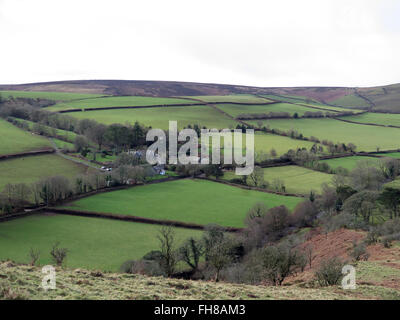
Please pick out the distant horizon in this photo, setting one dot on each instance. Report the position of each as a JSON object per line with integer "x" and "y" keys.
{"x": 193, "y": 82}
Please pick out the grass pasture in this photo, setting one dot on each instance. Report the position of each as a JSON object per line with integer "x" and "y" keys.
{"x": 124, "y": 101}
{"x": 60, "y": 144}
{"x": 240, "y": 98}
{"x": 296, "y": 179}
{"x": 349, "y": 163}
{"x": 395, "y": 155}
{"x": 33, "y": 168}
{"x": 351, "y": 101}
{"x": 15, "y": 140}
{"x": 290, "y": 98}
{"x": 64, "y": 134}
{"x": 236, "y": 110}
{"x": 366, "y": 138}
{"x": 158, "y": 117}
{"x": 93, "y": 243}
{"x": 264, "y": 142}
{"x": 56, "y": 96}
{"x": 195, "y": 201}
{"x": 384, "y": 119}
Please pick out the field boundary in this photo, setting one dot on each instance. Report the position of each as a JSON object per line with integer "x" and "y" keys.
{"x": 21, "y": 214}
{"x": 26, "y": 154}
{"x": 33, "y": 209}
{"x": 178, "y": 224}
{"x": 368, "y": 124}
{"x": 310, "y": 106}
{"x": 200, "y": 103}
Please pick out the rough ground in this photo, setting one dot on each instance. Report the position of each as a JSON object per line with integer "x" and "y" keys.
{"x": 23, "y": 282}
{"x": 377, "y": 275}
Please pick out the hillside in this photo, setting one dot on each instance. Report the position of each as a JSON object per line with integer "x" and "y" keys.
{"x": 380, "y": 98}
{"x": 23, "y": 282}
{"x": 377, "y": 278}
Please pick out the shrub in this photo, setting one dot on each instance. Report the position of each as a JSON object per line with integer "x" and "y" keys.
{"x": 280, "y": 262}
{"x": 359, "y": 252}
{"x": 34, "y": 255}
{"x": 145, "y": 267}
{"x": 330, "y": 272}
{"x": 58, "y": 254}
{"x": 372, "y": 236}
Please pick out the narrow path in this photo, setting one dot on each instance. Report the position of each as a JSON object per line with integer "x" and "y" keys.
{"x": 372, "y": 105}
{"x": 85, "y": 163}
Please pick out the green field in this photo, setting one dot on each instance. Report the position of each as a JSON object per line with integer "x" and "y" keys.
{"x": 349, "y": 162}
{"x": 93, "y": 243}
{"x": 351, "y": 101}
{"x": 296, "y": 179}
{"x": 390, "y": 155}
{"x": 241, "y": 98}
{"x": 64, "y": 134}
{"x": 124, "y": 101}
{"x": 235, "y": 110}
{"x": 159, "y": 117}
{"x": 33, "y": 168}
{"x": 377, "y": 118}
{"x": 290, "y": 98}
{"x": 15, "y": 140}
{"x": 195, "y": 201}
{"x": 264, "y": 142}
{"x": 60, "y": 144}
{"x": 56, "y": 96}
{"x": 366, "y": 138}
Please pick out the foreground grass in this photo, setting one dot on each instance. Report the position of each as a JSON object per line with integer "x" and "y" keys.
{"x": 15, "y": 140}
{"x": 33, "y": 168}
{"x": 93, "y": 243}
{"x": 158, "y": 117}
{"x": 125, "y": 101}
{"x": 195, "y": 201}
{"x": 366, "y": 138}
{"x": 24, "y": 282}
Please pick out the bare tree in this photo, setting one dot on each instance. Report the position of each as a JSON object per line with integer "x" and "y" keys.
{"x": 58, "y": 254}
{"x": 309, "y": 253}
{"x": 191, "y": 252}
{"x": 220, "y": 256}
{"x": 34, "y": 255}
{"x": 168, "y": 261}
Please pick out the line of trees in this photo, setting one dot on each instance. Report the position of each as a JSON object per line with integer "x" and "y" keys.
{"x": 116, "y": 136}
{"x": 55, "y": 189}
{"x": 287, "y": 115}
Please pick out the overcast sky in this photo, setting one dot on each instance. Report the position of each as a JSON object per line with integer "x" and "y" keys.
{"x": 260, "y": 43}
